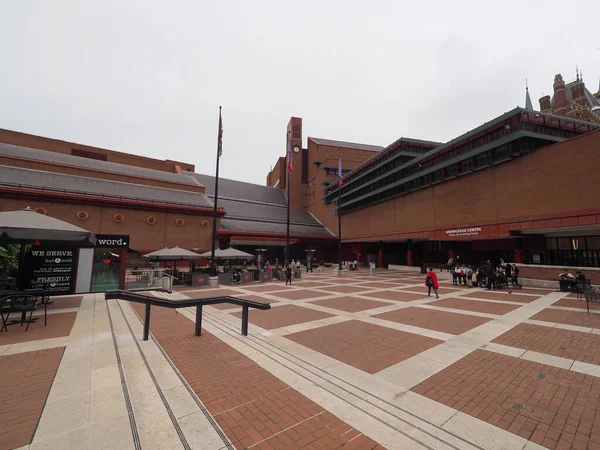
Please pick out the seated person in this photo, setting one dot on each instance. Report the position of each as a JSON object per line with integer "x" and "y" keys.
{"x": 565, "y": 275}
{"x": 579, "y": 276}
{"x": 502, "y": 278}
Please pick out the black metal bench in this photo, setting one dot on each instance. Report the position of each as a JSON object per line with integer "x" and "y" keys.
{"x": 593, "y": 295}
{"x": 186, "y": 303}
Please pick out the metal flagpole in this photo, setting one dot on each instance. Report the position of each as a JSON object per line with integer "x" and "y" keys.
{"x": 340, "y": 212}
{"x": 289, "y": 186}
{"x": 340, "y": 226}
{"x": 213, "y": 266}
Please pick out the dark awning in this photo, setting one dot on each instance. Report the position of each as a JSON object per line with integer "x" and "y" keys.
{"x": 28, "y": 225}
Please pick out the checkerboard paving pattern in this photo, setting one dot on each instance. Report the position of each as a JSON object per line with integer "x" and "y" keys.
{"x": 382, "y": 285}
{"x": 350, "y": 304}
{"x": 367, "y": 347}
{"x": 265, "y": 288}
{"x": 299, "y": 294}
{"x": 568, "y": 344}
{"x": 283, "y": 316}
{"x": 373, "y": 338}
{"x": 577, "y": 318}
{"x": 502, "y": 296}
{"x": 574, "y": 303}
{"x": 553, "y": 407}
{"x": 345, "y": 289}
{"x": 394, "y": 295}
{"x": 475, "y": 305}
{"x": 446, "y": 322}
{"x": 209, "y": 292}
{"x": 252, "y": 406}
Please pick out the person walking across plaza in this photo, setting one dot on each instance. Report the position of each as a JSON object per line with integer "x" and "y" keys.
{"x": 431, "y": 281}
{"x": 288, "y": 274}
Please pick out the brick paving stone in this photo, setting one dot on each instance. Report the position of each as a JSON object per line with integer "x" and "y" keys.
{"x": 447, "y": 322}
{"x": 264, "y": 287}
{"x": 283, "y": 316}
{"x": 581, "y": 319}
{"x": 533, "y": 291}
{"x": 364, "y": 345}
{"x": 568, "y": 344}
{"x": 209, "y": 292}
{"x": 548, "y": 405}
{"x": 254, "y": 298}
{"x": 309, "y": 284}
{"x": 250, "y": 404}
{"x": 395, "y": 295}
{"x": 65, "y": 302}
{"x": 350, "y": 304}
{"x": 350, "y": 289}
{"x": 343, "y": 280}
{"x": 26, "y": 379}
{"x": 59, "y": 325}
{"x": 422, "y": 291}
{"x": 502, "y": 296}
{"x": 574, "y": 303}
{"x": 383, "y": 285}
{"x": 299, "y": 294}
{"x": 475, "y": 305}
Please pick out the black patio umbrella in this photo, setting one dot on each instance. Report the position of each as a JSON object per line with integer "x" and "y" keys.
{"x": 28, "y": 225}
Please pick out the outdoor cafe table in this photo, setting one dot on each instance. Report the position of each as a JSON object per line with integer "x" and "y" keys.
{"x": 30, "y": 293}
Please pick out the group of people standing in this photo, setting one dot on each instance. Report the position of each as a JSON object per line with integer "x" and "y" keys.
{"x": 495, "y": 277}
{"x": 487, "y": 276}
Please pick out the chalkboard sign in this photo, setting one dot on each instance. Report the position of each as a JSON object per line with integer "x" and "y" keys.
{"x": 52, "y": 269}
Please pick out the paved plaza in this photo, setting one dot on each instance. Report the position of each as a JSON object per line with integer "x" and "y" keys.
{"x": 351, "y": 361}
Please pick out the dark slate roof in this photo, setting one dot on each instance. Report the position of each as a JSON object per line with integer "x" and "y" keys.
{"x": 528, "y": 104}
{"x": 271, "y": 227}
{"x": 246, "y": 210}
{"x": 232, "y": 189}
{"x": 352, "y": 145}
{"x": 86, "y": 163}
{"x": 255, "y": 208}
{"x": 75, "y": 184}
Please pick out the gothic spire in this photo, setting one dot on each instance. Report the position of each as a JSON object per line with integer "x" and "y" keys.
{"x": 528, "y": 104}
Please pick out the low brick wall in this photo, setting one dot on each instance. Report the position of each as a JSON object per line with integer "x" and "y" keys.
{"x": 549, "y": 273}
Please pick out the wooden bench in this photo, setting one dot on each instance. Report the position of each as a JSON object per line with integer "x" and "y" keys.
{"x": 186, "y": 303}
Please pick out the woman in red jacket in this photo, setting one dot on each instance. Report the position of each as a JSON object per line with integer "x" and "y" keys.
{"x": 431, "y": 281}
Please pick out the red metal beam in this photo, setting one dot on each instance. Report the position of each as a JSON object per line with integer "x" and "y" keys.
{"x": 237, "y": 233}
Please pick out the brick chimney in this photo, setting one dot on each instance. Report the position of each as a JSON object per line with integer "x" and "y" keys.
{"x": 545, "y": 104}
{"x": 560, "y": 96}
{"x": 578, "y": 93}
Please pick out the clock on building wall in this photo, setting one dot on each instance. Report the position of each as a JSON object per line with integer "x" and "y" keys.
{"x": 296, "y": 149}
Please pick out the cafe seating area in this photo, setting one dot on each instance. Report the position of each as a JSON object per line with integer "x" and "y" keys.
{"x": 22, "y": 303}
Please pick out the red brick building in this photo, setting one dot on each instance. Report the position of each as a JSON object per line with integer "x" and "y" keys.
{"x": 157, "y": 203}
{"x": 572, "y": 100}
{"x": 521, "y": 187}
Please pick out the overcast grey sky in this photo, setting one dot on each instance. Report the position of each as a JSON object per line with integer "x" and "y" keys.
{"x": 147, "y": 76}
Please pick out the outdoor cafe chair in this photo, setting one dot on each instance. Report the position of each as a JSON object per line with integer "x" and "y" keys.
{"x": 21, "y": 303}
{"x": 581, "y": 287}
